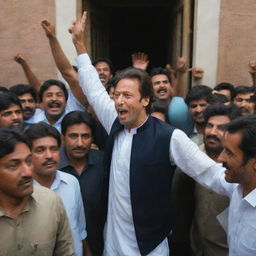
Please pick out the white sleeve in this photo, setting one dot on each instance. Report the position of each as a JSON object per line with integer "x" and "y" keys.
{"x": 195, "y": 163}
{"x": 95, "y": 92}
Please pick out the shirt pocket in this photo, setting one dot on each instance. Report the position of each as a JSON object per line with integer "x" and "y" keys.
{"x": 43, "y": 248}
{"x": 248, "y": 240}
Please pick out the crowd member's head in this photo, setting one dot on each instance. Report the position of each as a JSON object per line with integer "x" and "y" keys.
{"x": 244, "y": 99}
{"x": 53, "y": 96}
{"x": 77, "y": 132}
{"x": 27, "y": 95}
{"x": 10, "y": 111}
{"x": 226, "y": 89}
{"x": 110, "y": 88}
{"x": 46, "y": 141}
{"x": 104, "y": 68}
{"x": 15, "y": 166}
{"x": 162, "y": 84}
{"x": 159, "y": 109}
{"x": 216, "y": 116}
{"x": 133, "y": 95}
{"x": 198, "y": 98}
{"x": 239, "y": 154}
{"x": 218, "y": 99}
{"x": 3, "y": 89}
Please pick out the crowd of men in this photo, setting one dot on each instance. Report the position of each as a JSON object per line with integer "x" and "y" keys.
{"x": 125, "y": 163}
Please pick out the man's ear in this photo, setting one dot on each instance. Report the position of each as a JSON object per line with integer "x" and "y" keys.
{"x": 145, "y": 102}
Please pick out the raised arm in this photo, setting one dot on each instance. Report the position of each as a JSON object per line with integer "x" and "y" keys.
{"x": 89, "y": 79}
{"x": 252, "y": 71}
{"x": 31, "y": 77}
{"x": 140, "y": 60}
{"x": 62, "y": 63}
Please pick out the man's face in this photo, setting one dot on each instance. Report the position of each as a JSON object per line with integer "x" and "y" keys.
{"x": 128, "y": 103}
{"x": 196, "y": 109}
{"x": 232, "y": 159}
{"x": 213, "y": 134}
{"x": 16, "y": 173}
{"x": 104, "y": 72}
{"x": 54, "y": 102}
{"x": 244, "y": 103}
{"x": 45, "y": 156}
{"x": 77, "y": 140}
{"x": 11, "y": 117}
{"x": 162, "y": 87}
{"x": 28, "y": 105}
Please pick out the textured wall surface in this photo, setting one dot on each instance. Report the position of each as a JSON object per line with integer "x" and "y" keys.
{"x": 21, "y": 32}
{"x": 237, "y": 40}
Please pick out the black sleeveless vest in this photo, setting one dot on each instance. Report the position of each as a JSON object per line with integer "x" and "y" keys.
{"x": 150, "y": 181}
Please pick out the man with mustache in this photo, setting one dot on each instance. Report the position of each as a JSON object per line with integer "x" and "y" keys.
{"x": 86, "y": 164}
{"x": 10, "y": 111}
{"x": 178, "y": 114}
{"x": 198, "y": 98}
{"x": 46, "y": 141}
{"x": 244, "y": 99}
{"x": 104, "y": 68}
{"x": 27, "y": 95}
{"x": 207, "y": 236}
{"x": 33, "y": 221}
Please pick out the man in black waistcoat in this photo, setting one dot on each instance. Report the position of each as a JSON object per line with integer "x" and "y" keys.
{"x": 140, "y": 156}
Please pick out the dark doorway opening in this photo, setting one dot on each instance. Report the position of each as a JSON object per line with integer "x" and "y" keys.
{"x": 143, "y": 29}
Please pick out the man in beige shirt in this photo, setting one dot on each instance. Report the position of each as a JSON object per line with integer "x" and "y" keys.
{"x": 31, "y": 222}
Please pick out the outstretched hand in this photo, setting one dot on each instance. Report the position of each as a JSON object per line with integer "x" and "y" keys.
{"x": 77, "y": 29}
{"x": 19, "y": 58}
{"x": 181, "y": 65}
{"x": 252, "y": 67}
{"x": 140, "y": 60}
{"x": 197, "y": 73}
{"x": 48, "y": 28}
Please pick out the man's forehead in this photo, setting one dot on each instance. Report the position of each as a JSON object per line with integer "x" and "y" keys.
{"x": 54, "y": 88}
{"x": 219, "y": 119}
{"x": 102, "y": 64}
{"x": 244, "y": 95}
{"x": 12, "y": 107}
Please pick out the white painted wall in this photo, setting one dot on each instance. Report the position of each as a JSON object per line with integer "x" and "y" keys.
{"x": 206, "y": 38}
{"x": 65, "y": 14}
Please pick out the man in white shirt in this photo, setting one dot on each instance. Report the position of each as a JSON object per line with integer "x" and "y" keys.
{"x": 140, "y": 157}
{"x": 46, "y": 142}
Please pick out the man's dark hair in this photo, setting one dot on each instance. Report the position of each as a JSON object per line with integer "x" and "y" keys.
{"x": 246, "y": 125}
{"x": 160, "y": 71}
{"x": 217, "y": 98}
{"x": 9, "y": 139}
{"x": 3, "y": 89}
{"x": 41, "y": 130}
{"x": 77, "y": 117}
{"x": 51, "y": 82}
{"x": 243, "y": 89}
{"x": 7, "y": 99}
{"x": 20, "y": 89}
{"x": 106, "y": 60}
{"x": 159, "y": 105}
{"x": 145, "y": 88}
{"x": 231, "y": 111}
{"x": 199, "y": 92}
{"x": 226, "y": 86}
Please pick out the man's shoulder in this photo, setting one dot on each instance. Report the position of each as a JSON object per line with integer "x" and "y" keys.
{"x": 44, "y": 195}
{"x": 68, "y": 178}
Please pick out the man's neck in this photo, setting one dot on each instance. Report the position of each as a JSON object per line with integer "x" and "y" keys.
{"x": 11, "y": 206}
{"x": 45, "y": 181}
{"x": 199, "y": 128}
{"x": 78, "y": 164}
{"x": 248, "y": 187}
{"x": 52, "y": 119}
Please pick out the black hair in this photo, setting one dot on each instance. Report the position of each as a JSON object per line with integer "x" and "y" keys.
{"x": 199, "y": 92}
{"x": 41, "y": 130}
{"x": 145, "y": 88}
{"x": 3, "y": 89}
{"x": 217, "y": 99}
{"x": 51, "y": 82}
{"x": 226, "y": 86}
{"x": 160, "y": 71}
{"x": 246, "y": 125}
{"x": 9, "y": 138}
{"x": 20, "y": 89}
{"x": 7, "y": 99}
{"x": 243, "y": 89}
{"x": 106, "y": 60}
{"x": 77, "y": 117}
{"x": 231, "y": 111}
{"x": 159, "y": 105}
